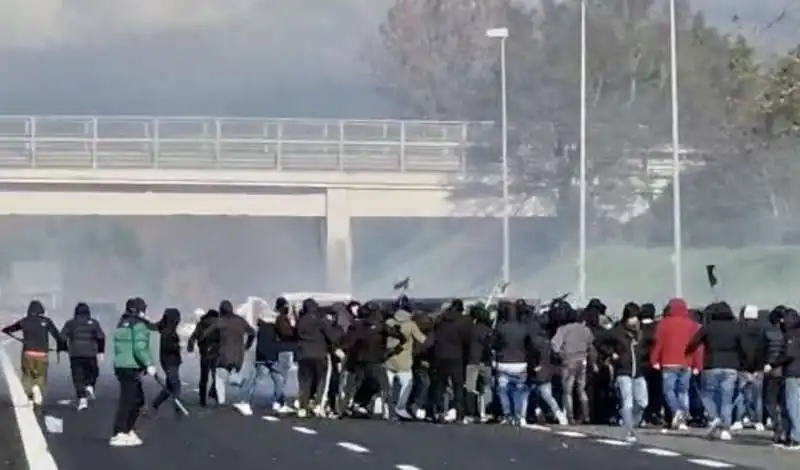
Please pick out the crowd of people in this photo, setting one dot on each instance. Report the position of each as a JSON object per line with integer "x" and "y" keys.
{"x": 508, "y": 362}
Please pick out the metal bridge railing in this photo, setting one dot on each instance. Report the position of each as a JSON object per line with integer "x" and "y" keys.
{"x": 134, "y": 142}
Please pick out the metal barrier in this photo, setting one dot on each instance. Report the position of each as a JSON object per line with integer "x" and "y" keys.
{"x": 121, "y": 142}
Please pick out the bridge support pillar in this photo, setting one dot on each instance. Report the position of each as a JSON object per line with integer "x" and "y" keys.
{"x": 339, "y": 241}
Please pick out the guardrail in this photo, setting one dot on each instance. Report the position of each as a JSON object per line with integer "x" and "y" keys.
{"x": 134, "y": 142}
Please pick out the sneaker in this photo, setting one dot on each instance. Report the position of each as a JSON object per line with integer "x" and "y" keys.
{"x": 677, "y": 420}
{"x": 450, "y": 416}
{"x": 562, "y": 418}
{"x": 725, "y": 435}
{"x": 759, "y": 427}
{"x": 90, "y": 392}
{"x": 792, "y": 445}
{"x": 737, "y": 426}
{"x": 276, "y": 407}
{"x": 83, "y": 403}
{"x": 125, "y": 440}
{"x": 133, "y": 437}
{"x": 403, "y": 414}
{"x": 420, "y": 414}
{"x": 244, "y": 408}
{"x": 302, "y": 413}
{"x": 36, "y": 395}
{"x": 713, "y": 426}
{"x": 631, "y": 438}
{"x": 284, "y": 409}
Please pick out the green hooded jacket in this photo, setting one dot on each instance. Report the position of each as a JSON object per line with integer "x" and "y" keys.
{"x": 132, "y": 343}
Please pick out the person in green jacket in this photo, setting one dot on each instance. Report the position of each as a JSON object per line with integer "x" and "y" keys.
{"x": 132, "y": 358}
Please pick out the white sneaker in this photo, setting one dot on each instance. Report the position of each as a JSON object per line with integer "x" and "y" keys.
{"x": 450, "y": 416}
{"x": 302, "y": 413}
{"x": 90, "y": 392}
{"x": 36, "y": 393}
{"x": 713, "y": 426}
{"x": 318, "y": 411}
{"x": 125, "y": 440}
{"x": 631, "y": 438}
{"x": 737, "y": 426}
{"x": 244, "y": 408}
{"x": 759, "y": 427}
{"x": 420, "y": 414}
{"x": 725, "y": 435}
{"x": 83, "y": 403}
{"x": 276, "y": 407}
{"x": 562, "y": 418}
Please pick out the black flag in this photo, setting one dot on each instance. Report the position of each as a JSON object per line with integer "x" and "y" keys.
{"x": 712, "y": 278}
{"x": 402, "y": 284}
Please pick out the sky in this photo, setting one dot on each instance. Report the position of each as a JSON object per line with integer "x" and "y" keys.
{"x": 222, "y": 57}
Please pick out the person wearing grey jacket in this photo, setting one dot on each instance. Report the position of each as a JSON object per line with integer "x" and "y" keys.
{"x": 573, "y": 344}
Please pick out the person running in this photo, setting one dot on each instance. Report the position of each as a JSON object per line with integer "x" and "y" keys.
{"x": 131, "y": 357}
{"x": 85, "y": 342}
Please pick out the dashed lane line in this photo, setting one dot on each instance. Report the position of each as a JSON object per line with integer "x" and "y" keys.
{"x": 406, "y": 467}
{"x": 304, "y": 430}
{"x": 710, "y": 463}
{"x": 660, "y": 452}
{"x": 353, "y": 447}
{"x": 613, "y": 442}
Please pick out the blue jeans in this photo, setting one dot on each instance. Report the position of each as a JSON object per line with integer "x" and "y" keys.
{"x": 750, "y": 400}
{"x": 633, "y": 400}
{"x": 719, "y": 386}
{"x": 676, "y": 381}
{"x": 513, "y": 391}
{"x": 792, "y": 396}
{"x": 544, "y": 391}
{"x": 277, "y": 371}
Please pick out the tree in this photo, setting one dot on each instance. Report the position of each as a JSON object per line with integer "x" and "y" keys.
{"x": 437, "y": 63}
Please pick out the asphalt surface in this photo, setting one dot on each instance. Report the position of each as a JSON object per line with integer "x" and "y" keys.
{"x": 208, "y": 439}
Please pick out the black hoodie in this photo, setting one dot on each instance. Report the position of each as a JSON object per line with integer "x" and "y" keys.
{"x": 170, "y": 344}
{"x": 83, "y": 335}
{"x": 366, "y": 339}
{"x": 790, "y": 359}
{"x": 480, "y": 348}
{"x": 35, "y": 329}
{"x": 512, "y": 341}
{"x": 722, "y": 338}
{"x": 450, "y": 337}
{"x": 208, "y": 344}
{"x": 235, "y": 337}
{"x": 314, "y": 333}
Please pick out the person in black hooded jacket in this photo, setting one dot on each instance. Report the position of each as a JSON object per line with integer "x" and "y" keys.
{"x": 479, "y": 362}
{"x": 208, "y": 346}
{"x": 451, "y": 340}
{"x": 724, "y": 352}
{"x": 654, "y": 414}
{"x": 85, "y": 342}
{"x": 36, "y": 329}
{"x": 169, "y": 353}
{"x": 773, "y": 347}
{"x": 789, "y": 361}
{"x": 316, "y": 338}
{"x": 235, "y": 337}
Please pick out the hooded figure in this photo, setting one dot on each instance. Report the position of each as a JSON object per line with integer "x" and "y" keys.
{"x": 451, "y": 340}
{"x": 316, "y": 338}
{"x": 235, "y": 337}
{"x": 84, "y": 340}
{"x": 170, "y": 356}
{"x": 208, "y": 346}
{"x": 752, "y": 331}
{"x": 401, "y": 361}
{"x": 479, "y": 361}
{"x": 37, "y": 329}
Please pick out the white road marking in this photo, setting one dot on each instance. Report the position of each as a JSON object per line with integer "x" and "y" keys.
{"x": 65, "y": 401}
{"x": 304, "y": 430}
{"x": 34, "y": 444}
{"x": 661, "y": 452}
{"x": 570, "y": 434}
{"x": 406, "y": 467}
{"x": 537, "y": 427}
{"x": 353, "y": 447}
{"x": 710, "y": 463}
{"x": 613, "y": 442}
{"x": 271, "y": 419}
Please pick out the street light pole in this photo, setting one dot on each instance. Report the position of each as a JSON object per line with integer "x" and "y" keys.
{"x": 676, "y": 154}
{"x": 502, "y": 34}
{"x": 583, "y": 164}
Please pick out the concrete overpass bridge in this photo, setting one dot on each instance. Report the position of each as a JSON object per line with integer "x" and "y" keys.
{"x": 336, "y": 169}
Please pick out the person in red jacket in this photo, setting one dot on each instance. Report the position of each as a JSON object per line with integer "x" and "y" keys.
{"x": 668, "y": 354}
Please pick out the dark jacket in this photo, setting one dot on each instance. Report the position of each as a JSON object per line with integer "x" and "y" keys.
{"x": 790, "y": 359}
{"x": 629, "y": 353}
{"x": 268, "y": 343}
{"x": 366, "y": 339}
{"x": 83, "y": 336}
{"x": 451, "y": 338}
{"x": 235, "y": 337}
{"x": 481, "y": 333}
{"x": 169, "y": 350}
{"x": 512, "y": 340}
{"x": 773, "y": 342}
{"x": 721, "y": 337}
{"x": 36, "y": 330}
{"x": 315, "y": 335}
{"x": 752, "y": 332}
{"x": 541, "y": 360}
{"x": 207, "y": 343}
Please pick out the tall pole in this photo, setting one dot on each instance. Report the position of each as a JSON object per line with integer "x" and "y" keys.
{"x": 676, "y": 154}
{"x": 583, "y": 177}
{"x": 506, "y": 201}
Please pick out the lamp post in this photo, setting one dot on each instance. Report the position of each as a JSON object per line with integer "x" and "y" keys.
{"x": 502, "y": 35}
{"x": 583, "y": 164}
{"x": 676, "y": 154}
